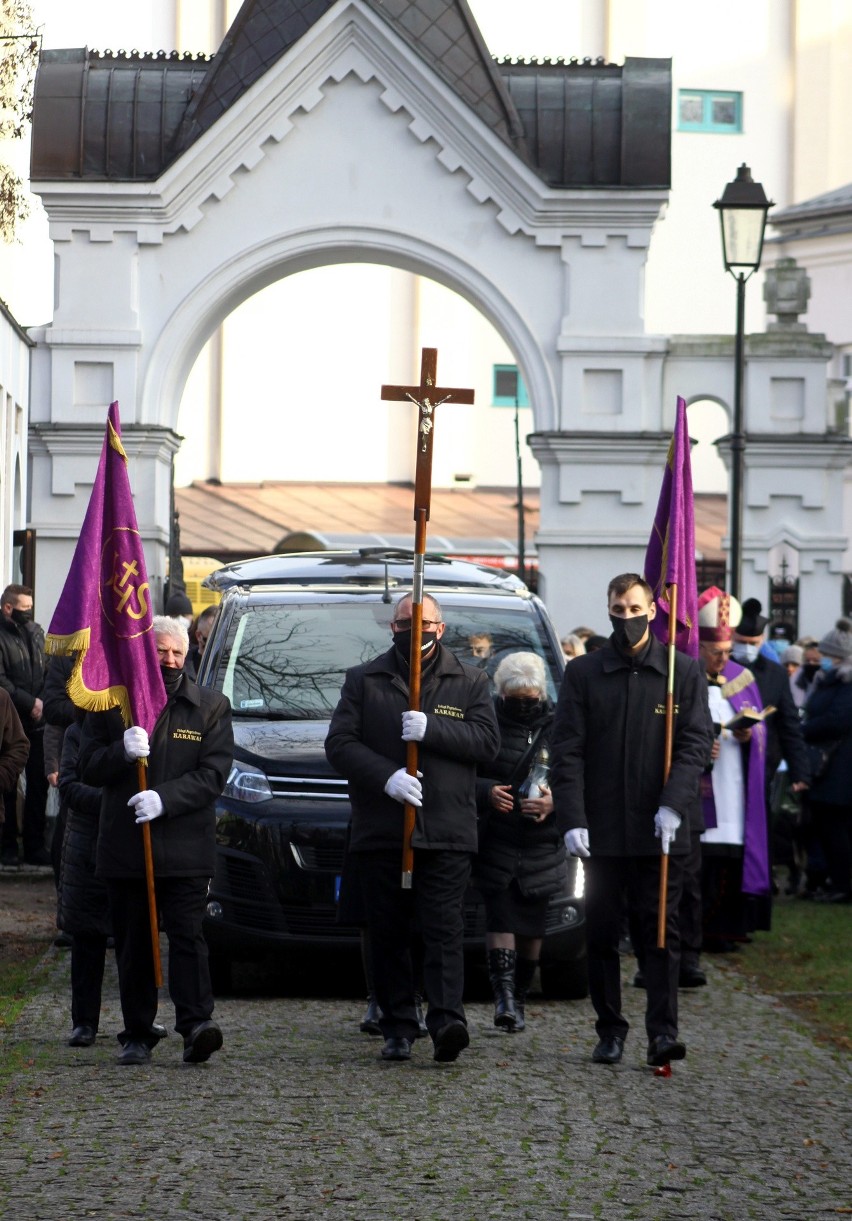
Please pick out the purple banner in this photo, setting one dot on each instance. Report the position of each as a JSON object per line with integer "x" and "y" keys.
{"x": 104, "y": 615}
{"x": 670, "y": 557}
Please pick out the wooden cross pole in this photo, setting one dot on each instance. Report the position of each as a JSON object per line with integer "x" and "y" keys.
{"x": 426, "y": 397}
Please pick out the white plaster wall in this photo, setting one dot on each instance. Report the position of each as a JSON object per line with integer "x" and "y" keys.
{"x": 14, "y": 399}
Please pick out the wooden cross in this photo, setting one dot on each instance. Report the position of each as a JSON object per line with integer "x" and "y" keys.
{"x": 426, "y": 397}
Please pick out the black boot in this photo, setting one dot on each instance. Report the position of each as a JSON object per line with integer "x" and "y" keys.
{"x": 525, "y": 969}
{"x": 501, "y": 973}
{"x": 422, "y": 1028}
{"x": 370, "y": 1020}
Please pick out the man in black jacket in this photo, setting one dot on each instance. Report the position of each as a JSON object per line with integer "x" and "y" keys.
{"x": 617, "y": 811}
{"x": 190, "y": 750}
{"x": 366, "y": 743}
{"x": 22, "y": 675}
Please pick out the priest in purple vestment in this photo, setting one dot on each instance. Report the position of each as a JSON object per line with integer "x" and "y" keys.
{"x": 735, "y": 875}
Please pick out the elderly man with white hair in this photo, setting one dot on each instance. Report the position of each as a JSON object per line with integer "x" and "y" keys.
{"x": 189, "y": 755}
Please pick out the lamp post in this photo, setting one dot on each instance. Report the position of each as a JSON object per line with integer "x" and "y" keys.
{"x": 742, "y": 212}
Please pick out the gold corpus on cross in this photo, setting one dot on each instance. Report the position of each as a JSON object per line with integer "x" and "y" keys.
{"x": 426, "y": 397}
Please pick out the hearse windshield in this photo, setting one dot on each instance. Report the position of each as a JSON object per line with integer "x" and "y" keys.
{"x": 287, "y": 661}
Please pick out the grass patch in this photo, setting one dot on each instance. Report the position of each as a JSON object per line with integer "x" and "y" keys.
{"x": 805, "y": 961}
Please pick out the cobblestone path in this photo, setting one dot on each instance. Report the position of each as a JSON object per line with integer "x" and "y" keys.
{"x": 298, "y": 1118}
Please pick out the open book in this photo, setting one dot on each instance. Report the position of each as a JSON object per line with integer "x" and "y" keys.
{"x": 747, "y": 717}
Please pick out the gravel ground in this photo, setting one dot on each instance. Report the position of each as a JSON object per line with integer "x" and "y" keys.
{"x": 298, "y": 1118}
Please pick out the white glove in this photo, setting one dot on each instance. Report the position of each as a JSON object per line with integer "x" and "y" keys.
{"x": 147, "y": 805}
{"x": 413, "y": 726}
{"x": 136, "y": 744}
{"x": 666, "y": 822}
{"x": 405, "y": 788}
{"x": 577, "y": 842}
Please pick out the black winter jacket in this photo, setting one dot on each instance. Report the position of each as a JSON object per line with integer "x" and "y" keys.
{"x": 192, "y": 748}
{"x": 828, "y": 723}
{"x": 365, "y": 746}
{"x": 83, "y": 903}
{"x": 511, "y": 846}
{"x": 608, "y": 743}
{"x": 22, "y": 667}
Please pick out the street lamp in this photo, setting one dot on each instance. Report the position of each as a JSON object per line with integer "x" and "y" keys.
{"x": 742, "y": 211}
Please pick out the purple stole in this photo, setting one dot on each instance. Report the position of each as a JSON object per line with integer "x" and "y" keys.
{"x": 740, "y": 690}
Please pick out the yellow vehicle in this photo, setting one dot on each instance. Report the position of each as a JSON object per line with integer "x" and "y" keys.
{"x": 195, "y": 569}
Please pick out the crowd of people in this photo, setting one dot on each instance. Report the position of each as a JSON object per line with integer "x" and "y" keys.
{"x": 508, "y": 787}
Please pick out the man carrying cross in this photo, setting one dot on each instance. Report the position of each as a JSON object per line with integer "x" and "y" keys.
{"x": 366, "y": 743}
{"x": 415, "y": 713}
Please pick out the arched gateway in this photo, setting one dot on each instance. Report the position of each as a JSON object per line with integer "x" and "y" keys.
{"x": 375, "y": 131}
{"x": 354, "y": 130}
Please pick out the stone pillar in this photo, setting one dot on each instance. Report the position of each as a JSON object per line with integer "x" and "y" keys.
{"x": 63, "y": 464}
{"x": 599, "y": 494}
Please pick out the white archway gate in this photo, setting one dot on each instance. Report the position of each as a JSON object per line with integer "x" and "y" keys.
{"x": 350, "y": 147}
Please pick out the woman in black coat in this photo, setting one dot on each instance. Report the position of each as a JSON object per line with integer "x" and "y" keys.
{"x": 521, "y": 859}
{"x": 828, "y": 731}
{"x": 83, "y": 910}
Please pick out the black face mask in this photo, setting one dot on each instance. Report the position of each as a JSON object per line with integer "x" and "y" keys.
{"x": 811, "y": 669}
{"x": 517, "y": 708}
{"x": 171, "y": 679}
{"x": 402, "y": 643}
{"x": 21, "y": 617}
{"x": 628, "y": 632}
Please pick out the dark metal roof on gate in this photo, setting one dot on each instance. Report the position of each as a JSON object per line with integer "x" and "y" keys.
{"x": 121, "y": 117}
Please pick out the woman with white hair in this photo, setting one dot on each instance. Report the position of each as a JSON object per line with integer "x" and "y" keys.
{"x": 573, "y": 646}
{"x": 521, "y": 859}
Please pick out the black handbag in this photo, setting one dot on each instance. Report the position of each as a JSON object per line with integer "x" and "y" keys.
{"x": 820, "y": 757}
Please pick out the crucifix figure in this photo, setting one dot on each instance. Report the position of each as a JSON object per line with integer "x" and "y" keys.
{"x": 426, "y": 397}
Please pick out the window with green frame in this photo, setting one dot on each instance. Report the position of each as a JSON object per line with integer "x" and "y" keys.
{"x": 508, "y": 384}
{"x": 709, "y": 110}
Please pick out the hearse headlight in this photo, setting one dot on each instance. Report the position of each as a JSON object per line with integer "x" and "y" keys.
{"x": 247, "y": 783}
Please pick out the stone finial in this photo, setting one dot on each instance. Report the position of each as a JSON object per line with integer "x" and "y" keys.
{"x": 786, "y": 291}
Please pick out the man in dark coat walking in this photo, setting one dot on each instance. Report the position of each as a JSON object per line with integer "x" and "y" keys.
{"x": 616, "y": 811}
{"x": 190, "y": 750}
{"x": 22, "y": 675}
{"x": 456, "y": 729}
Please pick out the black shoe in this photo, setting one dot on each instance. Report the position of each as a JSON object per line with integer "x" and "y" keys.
{"x": 158, "y": 1031}
{"x": 691, "y": 977}
{"x": 82, "y": 1036}
{"x": 9, "y": 858}
{"x": 396, "y": 1049}
{"x": 370, "y": 1020}
{"x": 422, "y": 1028}
{"x": 39, "y": 857}
{"x": 450, "y": 1040}
{"x": 134, "y": 1052}
{"x": 201, "y": 1042}
{"x": 639, "y": 979}
{"x": 663, "y": 1049}
{"x": 609, "y": 1050}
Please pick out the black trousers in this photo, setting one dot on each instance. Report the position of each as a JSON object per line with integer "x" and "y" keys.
{"x": 181, "y": 906}
{"x": 610, "y": 882}
{"x": 34, "y": 817}
{"x": 690, "y": 911}
{"x": 88, "y": 954}
{"x": 434, "y": 907}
